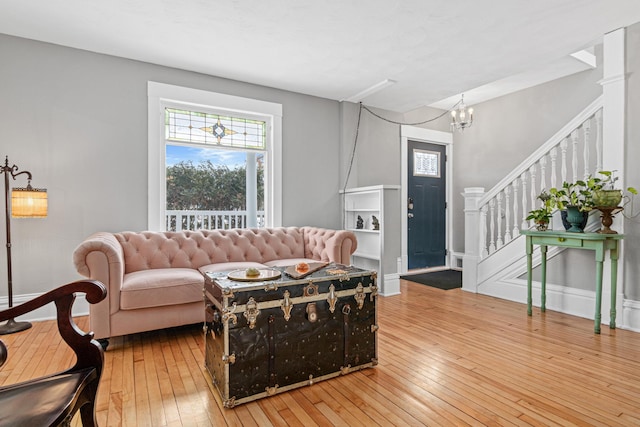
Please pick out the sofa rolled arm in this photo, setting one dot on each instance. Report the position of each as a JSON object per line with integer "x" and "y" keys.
{"x": 329, "y": 245}
{"x": 100, "y": 257}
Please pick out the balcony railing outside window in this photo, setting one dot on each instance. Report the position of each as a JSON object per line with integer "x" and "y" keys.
{"x": 208, "y": 220}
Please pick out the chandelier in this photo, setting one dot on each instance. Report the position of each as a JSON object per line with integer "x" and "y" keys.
{"x": 462, "y": 117}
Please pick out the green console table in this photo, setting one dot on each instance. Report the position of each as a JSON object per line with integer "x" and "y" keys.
{"x": 599, "y": 243}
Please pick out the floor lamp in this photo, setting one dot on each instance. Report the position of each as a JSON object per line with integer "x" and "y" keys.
{"x": 26, "y": 202}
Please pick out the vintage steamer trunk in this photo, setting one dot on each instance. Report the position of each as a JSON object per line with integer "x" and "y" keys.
{"x": 269, "y": 337}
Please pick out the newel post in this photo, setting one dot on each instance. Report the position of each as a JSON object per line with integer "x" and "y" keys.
{"x": 473, "y": 231}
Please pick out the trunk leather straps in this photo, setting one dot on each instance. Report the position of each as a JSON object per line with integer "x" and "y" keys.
{"x": 272, "y": 352}
{"x": 346, "y": 311}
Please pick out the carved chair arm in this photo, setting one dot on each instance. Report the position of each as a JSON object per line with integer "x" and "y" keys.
{"x": 88, "y": 352}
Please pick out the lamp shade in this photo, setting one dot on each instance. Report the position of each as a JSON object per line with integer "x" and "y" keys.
{"x": 29, "y": 202}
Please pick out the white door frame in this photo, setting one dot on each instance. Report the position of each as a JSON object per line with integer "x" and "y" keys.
{"x": 414, "y": 133}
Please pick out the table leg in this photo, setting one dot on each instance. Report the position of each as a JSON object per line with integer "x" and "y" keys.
{"x": 614, "y": 285}
{"x": 543, "y": 278}
{"x": 598, "y": 314}
{"x": 529, "y": 273}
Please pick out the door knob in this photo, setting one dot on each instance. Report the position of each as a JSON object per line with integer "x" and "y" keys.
{"x": 410, "y": 215}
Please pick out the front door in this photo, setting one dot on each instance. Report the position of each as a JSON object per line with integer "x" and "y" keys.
{"x": 426, "y": 205}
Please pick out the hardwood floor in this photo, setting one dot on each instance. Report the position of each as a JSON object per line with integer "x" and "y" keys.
{"x": 446, "y": 358}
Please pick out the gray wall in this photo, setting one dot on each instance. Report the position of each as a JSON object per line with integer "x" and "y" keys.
{"x": 632, "y": 225}
{"x": 377, "y": 156}
{"x": 376, "y": 159}
{"x": 78, "y": 121}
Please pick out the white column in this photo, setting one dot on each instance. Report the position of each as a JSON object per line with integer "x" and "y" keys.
{"x": 473, "y": 228}
{"x": 613, "y": 135}
{"x": 252, "y": 190}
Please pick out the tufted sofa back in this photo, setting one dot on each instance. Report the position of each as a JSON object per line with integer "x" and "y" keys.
{"x": 194, "y": 249}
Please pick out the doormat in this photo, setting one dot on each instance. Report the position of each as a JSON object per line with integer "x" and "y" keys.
{"x": 445, "y": 279}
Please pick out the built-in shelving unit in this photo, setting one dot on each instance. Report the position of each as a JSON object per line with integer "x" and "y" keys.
{"x": 378, "y": 246}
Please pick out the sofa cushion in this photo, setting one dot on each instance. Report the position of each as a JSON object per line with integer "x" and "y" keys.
{"x": 160, "y": 287}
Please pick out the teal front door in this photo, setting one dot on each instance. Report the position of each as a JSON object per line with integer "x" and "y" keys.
{"x": 426, "y": 205}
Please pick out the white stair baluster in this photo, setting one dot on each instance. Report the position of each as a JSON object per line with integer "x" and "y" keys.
{"x": 492, "y": 226}
{"x": 516, "y": 230}
{"x": 563, "y": 149}
{"x": 507, "y": 214}
{"x": 553, "y": 154}
{"x": 499, "y": 241}
{"x": 534, "y": 193}
{"x": 574, "y": 155}
{"x": 586, "y": 149}
{"x": 598, "y": 140}
{"x": 543, "y": 173}
{"x": 483, "y": 232}
{"x": 523, "y": 179}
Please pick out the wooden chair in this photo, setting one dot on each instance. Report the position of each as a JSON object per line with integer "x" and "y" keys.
{"x": 54, "y": 399}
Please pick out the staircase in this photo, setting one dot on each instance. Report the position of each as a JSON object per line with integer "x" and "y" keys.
{"x": 494, "y": 256}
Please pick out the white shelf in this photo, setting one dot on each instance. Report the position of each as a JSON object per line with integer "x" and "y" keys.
{"x": 365, "y": 255}
{"x": 364, "y": 230}
{"x": 377, "y": 249}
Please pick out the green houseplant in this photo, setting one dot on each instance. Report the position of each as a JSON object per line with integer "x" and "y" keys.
{"x": 575, "y": 199}
{"x": 605, "y": 194}
{"x": 607, "y": 199}
{"x": 578, "y": 198}
{"x": 577, "y": 194}
{"x": 542, "y": 215}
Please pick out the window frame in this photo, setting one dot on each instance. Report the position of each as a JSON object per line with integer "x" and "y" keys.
{"x": 161, "y": 96}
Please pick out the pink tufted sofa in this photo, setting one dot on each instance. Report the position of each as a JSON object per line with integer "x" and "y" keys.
{"x": 155, "y": 281}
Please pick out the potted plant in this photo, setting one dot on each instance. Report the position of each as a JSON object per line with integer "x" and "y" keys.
{"x": 575, "y": 200}
{"x": 542, "y": 215}
{"x": 607, "y": 198}
{"x": 605, "y": 194}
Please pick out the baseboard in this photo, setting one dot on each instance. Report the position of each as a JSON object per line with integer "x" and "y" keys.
{"x": 457, "y": 260}
{"x": 631, "y": 315}
{"x": 576, "y": 302}
{"x": 391, "y": 285}
{"x": 48, "y": 312}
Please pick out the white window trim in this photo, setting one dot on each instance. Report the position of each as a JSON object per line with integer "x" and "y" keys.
{"x": 160, "y": 94}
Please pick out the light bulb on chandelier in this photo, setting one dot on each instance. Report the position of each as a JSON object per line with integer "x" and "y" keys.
{"x": 462, "y": 117}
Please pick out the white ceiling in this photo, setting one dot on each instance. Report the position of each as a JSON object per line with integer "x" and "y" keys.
{"x": 335, "y": 49}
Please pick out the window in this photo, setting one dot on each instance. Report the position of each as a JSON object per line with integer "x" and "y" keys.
{"x": 243, "y": 131}
{"x": 214, "y": 129}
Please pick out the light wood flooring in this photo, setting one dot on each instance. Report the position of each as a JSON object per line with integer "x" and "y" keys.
{"x": 446, "y": 358}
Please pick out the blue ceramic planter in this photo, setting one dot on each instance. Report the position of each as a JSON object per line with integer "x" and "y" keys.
{"x": 574, "y": 220}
